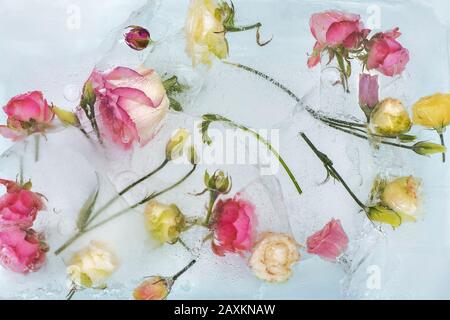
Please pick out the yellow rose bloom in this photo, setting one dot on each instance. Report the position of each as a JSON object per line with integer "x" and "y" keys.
{"x": 432, "y": 111}
{"x": 401, "y": 195}
{"x": 389, "y": 118}
{"x": 205, "y": 32}
{"x": 164, "y": 222}
{"x": 90, "y": 267}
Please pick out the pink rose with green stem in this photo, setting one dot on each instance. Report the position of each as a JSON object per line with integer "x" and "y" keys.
{"x": 27, "y": 113}
{"x": 386, "y": 54}
{"x": 19, "y": 206}
{"x": 22, "y": 251}
{"x": 339, "y": 33}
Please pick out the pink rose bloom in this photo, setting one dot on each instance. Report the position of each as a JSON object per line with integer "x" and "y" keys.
{"x": 137, "y": 38}
{"x": 328, "y": 243}
{"x": 21, "y": 251}
{"x": 233, "y": 226}
{"x": 386, "y": 54}
{"x": 333, "y": 29}
{"x": 131, "y": 104}
{"x": 19, "y": 205}
{"x": 368, "y": 90}
{"x": 27, "y": 113}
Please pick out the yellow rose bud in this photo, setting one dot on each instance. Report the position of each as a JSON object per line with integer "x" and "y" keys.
{"x": 90, "y": 267}
{"x": 432, "y": 111}
{"x": 389, "y": 118}
{"x": 401, "y": 196}
{"x": 174, "y": 148}
{"x": 205, "y": 31}
{"x": 273, "y": 257}
{"x": 428, "y": 148}
{"x": 66, "y": 117}
{"x": 164, "y": 222}
{"x": 385, "y": 215}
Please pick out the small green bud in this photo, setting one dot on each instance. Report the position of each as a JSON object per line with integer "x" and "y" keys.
{"x": 428, "y": 148}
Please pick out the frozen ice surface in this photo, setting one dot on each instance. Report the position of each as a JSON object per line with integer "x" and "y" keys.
{"x": 57, "y": 56}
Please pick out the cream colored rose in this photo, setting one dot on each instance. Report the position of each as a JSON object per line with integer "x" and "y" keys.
{"x": 390, "y": 118}
{"x": 273, "y": 257}
{"x": 164, "y": 222}
{"x": 401, "y": 195}
{"x": 90, "y": 267}
{"x": 205, "y": 32}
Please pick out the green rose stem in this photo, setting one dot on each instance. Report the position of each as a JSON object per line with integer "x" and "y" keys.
{"x": 182, "y": 271}
{"x": 128, "y": 188}
{"x": 341, "y": 125}
{"x": 212, "y": 200}
{"x": 37, "y": 140}
{"x": 331, "y": 171}
{"x": 276, "y": 83}
{"x": 120, "y": 213}
{"x": 441, "y": 136}
{"x": 209, "y": 118}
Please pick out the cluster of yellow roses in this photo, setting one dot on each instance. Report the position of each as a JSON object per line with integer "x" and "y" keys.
{"x": 391, "y": 119}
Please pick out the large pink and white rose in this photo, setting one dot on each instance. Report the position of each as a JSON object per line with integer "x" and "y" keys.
{"x": 333, "y": 29}
{"x": 19, "y": 206}
{"x": 22, "y": 251}
{"x": 131, "y": 104}
{"x": 330, "y": 242}
{"x": 233, "y": 226}
{"x": 27, "y": 113}
{"x": 386, "y": 54}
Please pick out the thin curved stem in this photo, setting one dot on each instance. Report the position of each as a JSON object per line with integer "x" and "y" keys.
{"x": 242, "y": 28}
{"x": 328, "y": 164}
{"x": 120, "y": 213}
{"x": 276, "y": 83}
{"x": 143, "y": 201}
{"x": 266, "y": 143}
{"x": 126, "y": 189}
{"x": 398, "y": 145}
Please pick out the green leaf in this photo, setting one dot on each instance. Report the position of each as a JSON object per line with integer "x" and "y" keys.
{"x": 204, "y": 132}
{"x": 175, "y": 105}
{"x": 87, "y": 208}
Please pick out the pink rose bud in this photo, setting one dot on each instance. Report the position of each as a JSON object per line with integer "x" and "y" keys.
{"x": 233, "y": 226}
{"x": 386, "y": 54}
{"x": 131, "y": 104}
{"x": 155, "y": 288}
{"x": 328, "y": 243}
{"x": 368, "y": 90}
{"x": 19, "y": 206}
{"x": 333, "y": 29}
{"x": 27, "y": 113}
{"x": 21, "y": 251}
{"x": 137, "y": 38}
